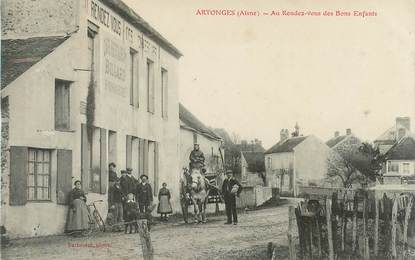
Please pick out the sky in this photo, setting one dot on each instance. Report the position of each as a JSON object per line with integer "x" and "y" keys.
{"x": 254, "y": 75}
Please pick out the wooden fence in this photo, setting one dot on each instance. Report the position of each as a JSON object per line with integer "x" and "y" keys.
{"x": 352, "y": 224}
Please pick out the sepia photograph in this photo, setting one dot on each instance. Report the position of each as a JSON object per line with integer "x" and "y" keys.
{"x": 207, "y": 129}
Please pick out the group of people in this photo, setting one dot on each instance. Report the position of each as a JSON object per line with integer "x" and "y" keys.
{"x": 130, "y": 198}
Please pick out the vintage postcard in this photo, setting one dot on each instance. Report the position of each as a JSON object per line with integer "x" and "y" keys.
{"x": 200, "y": 129}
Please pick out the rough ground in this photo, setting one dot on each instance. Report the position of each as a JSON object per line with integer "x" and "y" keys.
{"x": 175, "y": 240}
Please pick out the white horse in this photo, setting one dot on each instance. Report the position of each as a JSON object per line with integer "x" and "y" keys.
{"x": 199, "y": 195}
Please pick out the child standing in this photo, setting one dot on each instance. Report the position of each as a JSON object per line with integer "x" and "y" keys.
{"x": 131, "y": 213}
{"x": 115, "y": 197}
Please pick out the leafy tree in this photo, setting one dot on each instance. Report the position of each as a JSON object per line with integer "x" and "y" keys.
{"x": 370, "y": 162}
{"x": 341, "y": 165}
{"x": 356, "y": 164}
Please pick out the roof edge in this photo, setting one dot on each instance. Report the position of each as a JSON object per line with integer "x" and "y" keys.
{"x": 64, "y": 39}
{"x": 199, "y": 132}
{"x": 137, "y": 21}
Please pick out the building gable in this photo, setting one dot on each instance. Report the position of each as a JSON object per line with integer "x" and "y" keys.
{"x": 404, "y": 150}
{"x": 190, "y": 121}
{"x": 19, "y": 55}
{"x": 286, "y": 146}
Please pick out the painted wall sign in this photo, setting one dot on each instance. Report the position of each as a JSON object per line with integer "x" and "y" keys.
{"x": 104, "y": 17}
{"x": 115, "y": 62}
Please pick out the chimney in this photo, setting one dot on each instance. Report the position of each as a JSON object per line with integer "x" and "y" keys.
{"x": 348, "y": 131}
{"x": 336, "y": 134}
{"x": 403, "y": 122}
{"x": 284, "y": 134}
{"x": 403, "y": 126}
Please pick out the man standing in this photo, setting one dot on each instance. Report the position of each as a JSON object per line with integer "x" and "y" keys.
{"x": 124, "y": 180}
{"x": 132, "y": 181}
{"x": 112, "y": 174}
{"x": 185, "y": 181}
{"x": 231, "y": 188}
{"x": 197, "y": 158}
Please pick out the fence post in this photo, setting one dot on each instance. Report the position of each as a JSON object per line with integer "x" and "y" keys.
{"x": 329, "y": 228}
{"x": 406, "y": 223}
{"x": 394, "y": 219}
{"x": 145, "y": 239}
{"x": 343, "y": 223}
{"x": 387, "y": 211}
{"x": 376, "y": 227}
{"x": 291, "y": 245}
{"x": 365, "y": 236}
{"x": 301, "y": 233}
{"x": 354, "y": 234}
{"x": 318, "y": 230}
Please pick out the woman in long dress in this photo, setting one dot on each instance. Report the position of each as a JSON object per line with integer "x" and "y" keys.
{"x": 164, "y": 206}
{"x": 78, "y": 220}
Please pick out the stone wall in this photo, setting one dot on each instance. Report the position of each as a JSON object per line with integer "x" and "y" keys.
{"x": 29, "y": 18}
{"x": 4, "y": 155}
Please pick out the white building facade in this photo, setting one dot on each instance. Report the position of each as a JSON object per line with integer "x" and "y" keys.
{"x": 105, "y": 91}
{"x": 297, "y": 161}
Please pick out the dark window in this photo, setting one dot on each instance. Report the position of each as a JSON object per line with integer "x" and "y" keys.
{"x": 164, "y": 93}
{"x": 133, "y": 79}
{"x": 150, "y": 86}
{"x": 94, "y": 160}
{"x": 91, "y": 48}
{"x": 393, "y": 167}
{"x": 62, "y": 105}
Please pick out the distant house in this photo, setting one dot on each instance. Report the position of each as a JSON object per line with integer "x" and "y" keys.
{"x": 252, "y": 168}
{"x": 391, "y": 136}
{"x": 233, "y": 151}
{"x": 400, "y": 162}
{"x": 192, "y": 131}
{"x": 340, "y": 142}
{"x": 296, "y": 161}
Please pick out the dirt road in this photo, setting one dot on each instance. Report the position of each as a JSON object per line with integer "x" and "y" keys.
{"x": 213, "y": 240}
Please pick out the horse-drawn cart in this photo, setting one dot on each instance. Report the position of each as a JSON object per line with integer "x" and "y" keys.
{"x": 211, "y": 193}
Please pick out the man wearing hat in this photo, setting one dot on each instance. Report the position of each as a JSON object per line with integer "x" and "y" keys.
{"x": 144, "y": 194}
{"x": 197, "y": 158}
{"x": 112, "y": 174}
{"x": 231, "y": 188}
{"x": 133, "y": 181}
{"x": 127, "y": 182}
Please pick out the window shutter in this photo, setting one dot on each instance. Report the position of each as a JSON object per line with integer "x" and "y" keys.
{"x": 128, "y": 151}
{"x": 85, "y": 159}
{"x": 146, "y": 157}
{"x": 156, "y": 167}
{"x": 58, "y": 105}
{"x": 18, "y": 175}
{"x": 141, "y": 157}
{"x": 104, "y": 167}
{"x": 64, "y": 176}
{"x": 65, "y": 106}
